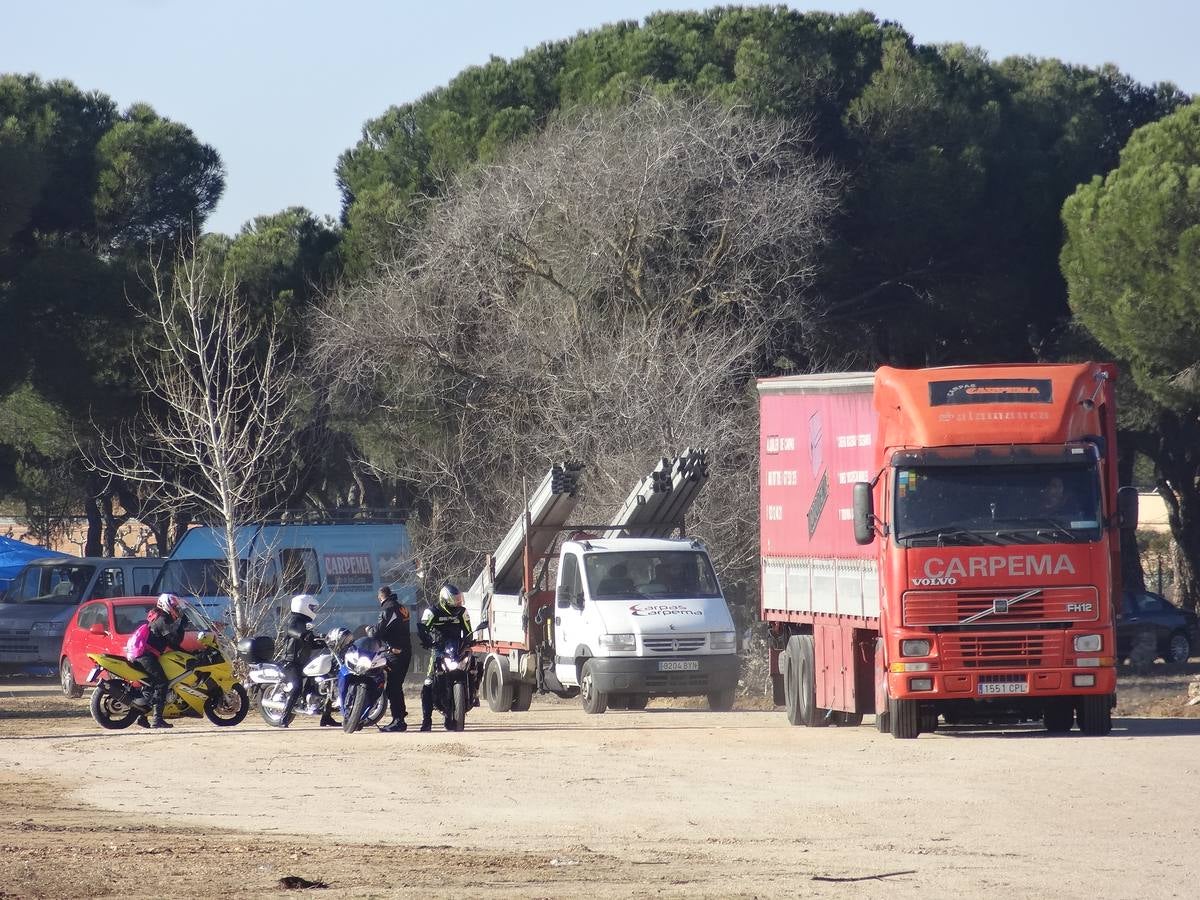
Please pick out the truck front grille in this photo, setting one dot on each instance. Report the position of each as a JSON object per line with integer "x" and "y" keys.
{"x": 1052, "y": 604}
{"x": 683, "y": 644}
{"x": 963, "y": 650}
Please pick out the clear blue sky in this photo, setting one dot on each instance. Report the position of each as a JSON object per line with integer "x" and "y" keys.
{"x": 281, "y": 87}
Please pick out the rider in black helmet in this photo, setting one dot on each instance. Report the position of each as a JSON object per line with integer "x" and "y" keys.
{"x": 442, "y": 621}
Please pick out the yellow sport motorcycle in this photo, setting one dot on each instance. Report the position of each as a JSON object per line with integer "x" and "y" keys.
{"x": 199, "y": 684}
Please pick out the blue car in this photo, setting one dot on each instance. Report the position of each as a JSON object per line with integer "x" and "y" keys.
{"x": 1174, "y": 629}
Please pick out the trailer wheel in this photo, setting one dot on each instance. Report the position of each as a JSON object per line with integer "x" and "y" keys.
{"x": 800, "y": 683}
{"x": 499, "y": 694}
{"x": 522, "y": 697}
{"x": 904, "y": 717}
{"x": 594, "y": 701}
{"x": 1094, "y": 713}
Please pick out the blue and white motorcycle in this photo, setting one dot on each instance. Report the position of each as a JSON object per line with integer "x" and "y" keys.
{"x": 362, "y": 683}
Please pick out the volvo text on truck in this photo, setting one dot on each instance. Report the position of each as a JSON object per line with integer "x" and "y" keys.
{"x": 943, "y": 545}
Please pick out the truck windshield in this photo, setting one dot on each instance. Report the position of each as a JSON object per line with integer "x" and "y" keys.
{"x": 945, "y": 505}
{"x": 194, "y": 577}
{"x": 669, "y": 574}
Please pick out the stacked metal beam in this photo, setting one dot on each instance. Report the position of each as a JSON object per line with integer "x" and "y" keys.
{"x": 549, "y": 508}
{"x": 658, "y": 504}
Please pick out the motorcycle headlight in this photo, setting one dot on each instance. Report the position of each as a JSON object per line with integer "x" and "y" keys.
{"x": 452, "y": 664}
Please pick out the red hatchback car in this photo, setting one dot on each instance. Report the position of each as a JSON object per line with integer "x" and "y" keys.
{"x": 102, "y": 626}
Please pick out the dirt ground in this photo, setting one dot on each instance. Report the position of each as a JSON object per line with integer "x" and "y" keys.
{"x": 553, "y": 803}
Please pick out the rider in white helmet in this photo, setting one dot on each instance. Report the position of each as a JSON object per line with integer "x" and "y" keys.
{"x": 300, "y": 641}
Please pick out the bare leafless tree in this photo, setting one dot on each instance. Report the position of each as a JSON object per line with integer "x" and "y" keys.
{"x": 218, "y": 432}
{"x": 604, "y": 293}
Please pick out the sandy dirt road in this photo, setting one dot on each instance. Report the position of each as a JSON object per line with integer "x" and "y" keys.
{"x": 554, "y": 803}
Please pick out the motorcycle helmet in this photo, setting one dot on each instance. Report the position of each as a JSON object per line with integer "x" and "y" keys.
{"x": 170, "y": 604}
{"x": 305, "y": 605}
{"x": 449, "y": 598}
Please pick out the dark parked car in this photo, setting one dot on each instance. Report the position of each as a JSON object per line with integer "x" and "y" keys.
{"x": 1174, "y": 629}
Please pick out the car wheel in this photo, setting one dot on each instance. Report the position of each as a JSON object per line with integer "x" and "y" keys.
{"x": 66, "y": 676}
{"x": 1179, "y": 648}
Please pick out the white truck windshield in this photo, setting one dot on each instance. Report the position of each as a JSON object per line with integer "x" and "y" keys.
{"x": 939, "y": 505}
{"x": 670, "y": 574}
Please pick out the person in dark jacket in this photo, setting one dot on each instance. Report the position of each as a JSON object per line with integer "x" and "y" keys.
{"x": 439, "y": 623}
{"x": 394, "y": 630}
{"x": 162, "y": 631}
{"x": 299, "y": 643}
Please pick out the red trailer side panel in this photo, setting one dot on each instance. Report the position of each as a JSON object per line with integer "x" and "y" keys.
{"x": 818, "y": 437}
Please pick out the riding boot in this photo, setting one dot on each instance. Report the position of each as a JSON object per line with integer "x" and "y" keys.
{"x": 427, "y": 706}
{"x": 159, "y": 721}
{"x": 395, "y": 725}
{"x": 327, "y": 720}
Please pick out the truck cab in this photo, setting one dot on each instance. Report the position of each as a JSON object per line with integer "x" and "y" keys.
{"x": 635, "y": 618}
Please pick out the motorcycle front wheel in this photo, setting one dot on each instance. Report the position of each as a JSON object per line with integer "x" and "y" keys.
{"x": 356, "y": 701}
{"x": 459, "y": 704}
{"x": 274, "y": 695}
{"x": 110, "y": 711}
{"x": 229, "y": 708}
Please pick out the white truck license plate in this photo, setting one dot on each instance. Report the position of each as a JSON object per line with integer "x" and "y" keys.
{"x": 1004, "y": 687}
{"x": 678, "y": 665}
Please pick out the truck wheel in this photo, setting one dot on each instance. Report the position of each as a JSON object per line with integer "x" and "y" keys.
{"x": 638, "y": 701}
{"x": 1094, "y": 713}
{"x": 806, "y": 682}
{"x": 721, "y": 701}
{"x": 1058, "y": 716}
{"x": 499, "y": 694}
{"x": 522, "y": 697}
{"x": 594, "y": 701}
{"x": 882, "y": 723}
{"x": 904, "y": 717}
{"x": 791, "y": 696}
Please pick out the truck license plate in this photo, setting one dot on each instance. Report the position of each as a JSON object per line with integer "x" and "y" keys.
{"x": 1004, "y": 687}
{"x": 678, "y": 665}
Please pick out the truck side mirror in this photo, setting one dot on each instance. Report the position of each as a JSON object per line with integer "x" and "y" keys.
{"x": 1127, "y": 507}
{"x": 864, "y": 513}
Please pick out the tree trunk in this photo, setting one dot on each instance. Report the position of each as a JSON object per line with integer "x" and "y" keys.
{"x": 91, "y": 507}
{"x": 1177, "y": 463}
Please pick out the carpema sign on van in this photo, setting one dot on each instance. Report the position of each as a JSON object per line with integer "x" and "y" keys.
{"x": 343, "y": 565}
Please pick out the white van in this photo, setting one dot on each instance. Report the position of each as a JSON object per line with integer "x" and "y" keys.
{"x": 343, "y": 565}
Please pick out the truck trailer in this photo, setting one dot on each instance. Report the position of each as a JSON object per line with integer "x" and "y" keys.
{"x": 943, "y": 545}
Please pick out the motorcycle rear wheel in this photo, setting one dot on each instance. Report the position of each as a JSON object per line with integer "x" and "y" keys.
{"x": 274, "y": 718}
{"x": 356, "y": 700}
{"x": 109, "y": 711}
{"x": 229, "y": 708}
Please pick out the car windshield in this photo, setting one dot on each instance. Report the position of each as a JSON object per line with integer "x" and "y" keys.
{"x": 945, "y": 505}
{"x": 52, "y": 584}
{"x": 667, "y": 574}
{"x": 194, "y": 578}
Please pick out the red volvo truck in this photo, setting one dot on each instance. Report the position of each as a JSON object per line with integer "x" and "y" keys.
{"x": 943, "y": 544}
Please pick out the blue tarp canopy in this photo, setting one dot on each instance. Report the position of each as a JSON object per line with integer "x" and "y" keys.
{"x": 14, "y": 555}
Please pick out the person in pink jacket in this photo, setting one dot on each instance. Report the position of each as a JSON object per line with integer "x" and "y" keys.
{"x": 162, "y": 630}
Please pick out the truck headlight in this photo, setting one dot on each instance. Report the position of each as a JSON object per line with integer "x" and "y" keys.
{"x": 722, "y": 640}
{"x": 44, "y": 629}
{"x": 1087, "y": 643}
{"x": 914, "y": 648}
{"x": 618, "y": 641}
